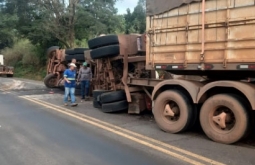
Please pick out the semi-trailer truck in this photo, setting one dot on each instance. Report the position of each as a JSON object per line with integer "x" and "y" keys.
{"x": 209, "y": 44}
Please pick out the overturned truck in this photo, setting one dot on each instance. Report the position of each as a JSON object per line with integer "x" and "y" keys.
{"x": 209, "y": 44}
{"x": 58, "y": 60}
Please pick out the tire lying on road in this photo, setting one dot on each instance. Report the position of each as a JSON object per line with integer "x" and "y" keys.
{"x": 183, "y": 112}
{"x": 51, "y": 49}
{"x": 80, "y": 50}
{"x": 96, "y": 97}
{"x": 104, "y": 52}
{"x": 50, "y": 81}
{"x": 115, "y": 107}
{"x": 237, "y": 118}
{"x": 103, "y": 41}
{"x": 114, "y": 96}
{"x": 78, "y": 57}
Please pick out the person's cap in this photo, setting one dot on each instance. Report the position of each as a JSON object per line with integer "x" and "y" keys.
{"x": 72, "y": 64}
{"x": 85, "y": 64}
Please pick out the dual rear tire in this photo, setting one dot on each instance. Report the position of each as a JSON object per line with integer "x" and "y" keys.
{"x": 237, "y": 118}
{"x": 234, "y": 109}
{"x": 181, "y": 105}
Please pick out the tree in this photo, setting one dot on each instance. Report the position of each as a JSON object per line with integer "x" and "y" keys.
{"x": 64, "y": 20}
{"x": 136, "y": 21}
{"x": 7, "y": 26}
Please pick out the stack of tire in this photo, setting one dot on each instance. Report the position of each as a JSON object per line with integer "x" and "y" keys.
{"x": 77, "y": 53}
{"x": 110, "y": 101}
{"x": 107, "y": 101}
{"x": 104, "y": 46}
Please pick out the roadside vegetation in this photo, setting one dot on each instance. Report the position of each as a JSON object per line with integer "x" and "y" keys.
{"x": 29, "y": 27}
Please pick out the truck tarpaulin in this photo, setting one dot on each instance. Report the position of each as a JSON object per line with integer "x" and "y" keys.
{"x": 159, "y": 6}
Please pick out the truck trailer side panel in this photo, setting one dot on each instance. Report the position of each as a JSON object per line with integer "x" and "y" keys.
{"x": 175, "y": 37}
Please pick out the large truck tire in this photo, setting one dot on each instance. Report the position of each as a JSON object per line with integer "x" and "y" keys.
{"x": 114, "y": 96}
{"x": 69, "y": 52}
{"x": 50, "y": 80}
{"x": 230, "y": 107}
{"x": 52, "y": 49}
{"x": 181, "y": 106}
{"x": 103, "y": 41}
{"x": 104, "y": 52}
{"x": 78, "y": 57}
{"x": 80, "y": 50}
{"x": 96, "y": 98}
{"x": 115, "y": 107}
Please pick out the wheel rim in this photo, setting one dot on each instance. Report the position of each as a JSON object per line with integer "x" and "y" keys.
{"x": 222, "y": 119}
{"x": 171, "y": 112}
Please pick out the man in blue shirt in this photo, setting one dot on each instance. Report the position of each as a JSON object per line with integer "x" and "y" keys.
{"x": 70, "y": 83}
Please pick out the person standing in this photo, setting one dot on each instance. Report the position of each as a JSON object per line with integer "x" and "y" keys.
{"x": 85, "y": 77}
{"x": 70, "y": 83}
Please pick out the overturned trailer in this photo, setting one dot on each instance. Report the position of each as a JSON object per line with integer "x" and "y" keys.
{"x": 214, "y": 39}
{"x": 58, "y": 60}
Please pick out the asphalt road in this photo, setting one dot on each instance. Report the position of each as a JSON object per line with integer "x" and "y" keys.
{"x": 32, "y": 135}
{"x": 35, "y": 131}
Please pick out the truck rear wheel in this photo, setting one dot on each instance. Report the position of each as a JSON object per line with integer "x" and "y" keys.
{"x": 173, "y": 111}
{"x": 224, "y": 118}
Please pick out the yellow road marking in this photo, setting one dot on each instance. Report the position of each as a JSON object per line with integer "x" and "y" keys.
{"x": 102, "y": 125}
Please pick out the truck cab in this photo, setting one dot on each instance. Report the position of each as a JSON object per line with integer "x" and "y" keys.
{"x": 7, "y": 71}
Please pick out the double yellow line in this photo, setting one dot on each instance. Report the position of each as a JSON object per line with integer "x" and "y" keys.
{"x": 167, "y": 149}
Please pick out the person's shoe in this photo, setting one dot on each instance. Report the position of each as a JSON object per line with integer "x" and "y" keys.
{"x": 74, "y": 104}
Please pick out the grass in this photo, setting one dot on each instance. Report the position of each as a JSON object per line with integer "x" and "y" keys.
{"x": 30, "y": 72}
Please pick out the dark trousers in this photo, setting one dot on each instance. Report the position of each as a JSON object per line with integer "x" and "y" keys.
{"x": 85, "y": 88}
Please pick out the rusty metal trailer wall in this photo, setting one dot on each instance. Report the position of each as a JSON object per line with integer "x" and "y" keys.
{"x": 217, "y": 32}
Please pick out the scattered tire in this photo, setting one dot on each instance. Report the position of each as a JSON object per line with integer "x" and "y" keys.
{"x": 80, "y": 50}
{"x": 107, "y": 51}
{"x": 78, "y": 57}
{"x": 114, "y": 96}
{"x": 51, "y": 49}
{"x": 103, "y": 41}
{"x": 50, "y": 81}
{"x": 69, "y": 52}
{"x": 115, "y": 107}
{"x": 181, "y": 106}
{"x": 237, "y": 119}
{"x": 96, "y": 97}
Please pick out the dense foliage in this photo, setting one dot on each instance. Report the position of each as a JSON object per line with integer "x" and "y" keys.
{"x": 29, "y": 27}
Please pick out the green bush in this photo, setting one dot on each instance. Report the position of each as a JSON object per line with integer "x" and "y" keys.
{"x": 27, "y": 60}
{"x": 22, "y": 52}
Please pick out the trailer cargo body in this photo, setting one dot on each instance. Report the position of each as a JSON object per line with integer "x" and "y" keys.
{"x": 199, "y": 38}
